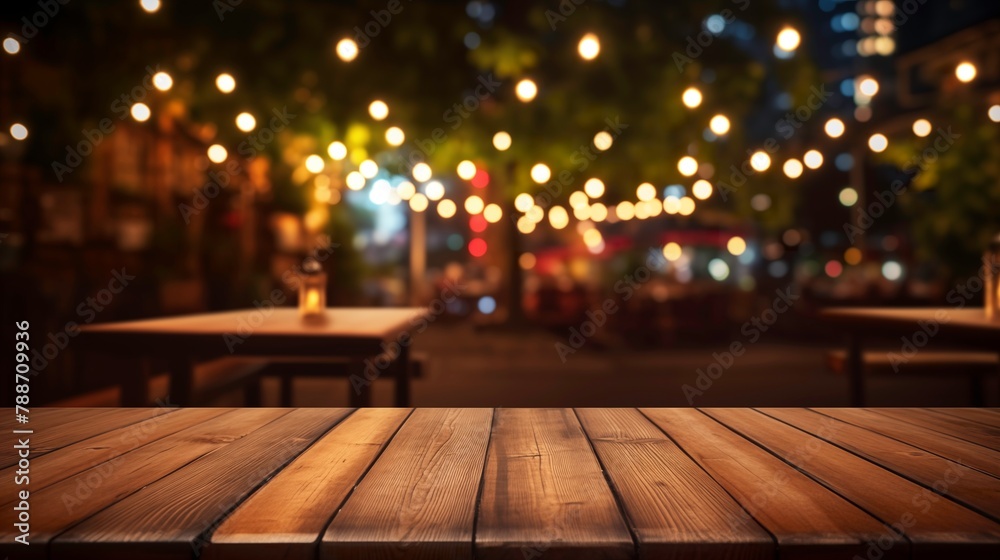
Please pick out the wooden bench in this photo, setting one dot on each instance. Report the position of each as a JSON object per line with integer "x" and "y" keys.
{"x": 976, "y": 366}
{"x": 212, "y": 380}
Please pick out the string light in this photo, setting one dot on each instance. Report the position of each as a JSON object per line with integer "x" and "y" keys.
{"x": 868, "y": 86}
{"x": 603, "y": 140}
{"x": 493, "y": 213}
{"x": 523, "y": 202}
{"x": 446, "y": 208}
{"x": 315, "y": 164}
{"x": 217, "y": 153}
{"x": 141, "y": 113}
{"x": 645, "y": 192}
{"x": 589, "y": 47}
{"x": 994, "y": 113}
{"x": 813, "y": 159}
{"x": 501, "y": 141}
{"x": 878, "y": 143}
{"x": 337, "y": 150}
{"x": 150, "y": 6}
{"x": 466, "y": 170}
{"x": 526, "y": 90}
{"x": 691, "y": 97}
{"x": 792, "y": 168}
{"x": 162, "y": 81}
{"x": 540, "y": 173}
{"x": 788, "y": 39}
{"x": 18, "y": 131}
{"x": 434, "y": 190}
{"x": 598, "y": 212}
{"x": 688, "y": 166}
{"x": 578, "y": 199}
{"x": 719, "y": 125}
{"x": 834, "y": 128}
{"x": 378, "y": 110}
{"x": 225, "y": 82}
{"x": 245, "y": 122}
{"x": 625, "y": 211}
{"x": 594, "y": 188}
{"x": 406, "y": 190}
{"x": 687, "y": 206}
{"x": 11, "y": 45}
{"x": 422, "y": 172}
{"x": 848, "y": 196}
{"x": 347, "y": 50}
{"x": 355, "y": 181}
{"x": 368, "y": 168}
{"x": 394, "y": 136}
{"x": 558, "y": 217}
{"x": 701, "y": 189}
{"x": 474, "y": 204}
{"x": 921, "y": 127}
{"x": 760, "y": 161}
{"x": 525, "y": 225}
{"x": 418, "y": 202}
{"x": 966, "y": 72}
{"x": 736, "y": 246}
{"x": 672, "y": 251}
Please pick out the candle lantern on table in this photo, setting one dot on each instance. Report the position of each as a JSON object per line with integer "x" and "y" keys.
{"x": 312, "y": 293}
{"x": 991, "y": 274}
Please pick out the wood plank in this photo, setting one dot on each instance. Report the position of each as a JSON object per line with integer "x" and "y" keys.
{"x": 169, "y": 518}
{"x": 941, "y": 476}
{"x": 943, "y": 527}
{"x": 987, "y": 416}
{"x": 674, "y": 508}
{"x": 544, "y": 493}
{"x": 286, "y": 517}
{"x": 960, "y": 451}
{"x": 74, "y": 499}
{"x": 75, "y": 458}
{"x": 55, "y": 430}
{"x": 807, "y": 519}
{"x": 973, "y": 432}
{"x": 419, "y": 498}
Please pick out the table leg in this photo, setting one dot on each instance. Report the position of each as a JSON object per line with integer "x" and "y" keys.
{"x": 359, "y": 386}
{"x": 135, "y": 388}
{"x": 181, "y": 381}
{"x": 403, "y": 377}
{"x": 855, "y": 370}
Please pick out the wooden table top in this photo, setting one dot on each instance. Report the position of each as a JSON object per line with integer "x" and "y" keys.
{"x": 965, "y": 319}
{"x": 267, "y": 329}
{"x": 508, "y": 483}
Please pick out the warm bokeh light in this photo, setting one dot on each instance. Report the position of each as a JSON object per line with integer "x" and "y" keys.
{"x": 225, "y": 82}
{"x": 792, "y": 168}
{"x": 527, "y": 261}
{"x": 736, "y": 245}
{"x": 672, "y": 251}
{"x": 418, "y": 202}
{"x": 501, "y": 141}
{"x": 355, "y": 181}
{"x": 422, "y": 172}
{"x": 245, "y": 122}
{"x": 525, "y": 225}
{"x": 446, "y": 208}
{"x": 150, "y": 6}
{"x": 788, "y": 39}
{"x": 813, "y": 159}
{"x": 719, "y": 124}
{"x": 368, "y": 168}
{"x": 594, "y": 188}
{"x": 378, "y": 110}
{"x": 523, "y": 202}
{"x": 558, "y": 217}
{"x": 625, "y": 211}
{"x": 701, "y": 189}
{"x": 315, "y": 164}
{"x": 966, "y": 72}
{"x": 645, "y": 191}
{"x": 578, "y": 199}
{"x": 337, "y": 150}
{"x": 878, "y": 143}
{"x": 994, "y": 113}
{"x": 688, "y": 166}
{"x": 217, "y": 153}
{"x": 852, "y": 256}
{"x": 394, "y": 136}
{"x": 11, "y": 45}
{"x": 848, "y": 196}
{"x": 834, "y": 128}
{"x": 493, "y": 213}
{"x": 526, "y": 90}
{"x": 691, "y": 97}
{"x": 18, "y": 131}
{"x": 434, "y": 190}
{"x": 922, "y": 127}
{"x": 466, "y": 170}
{"x": 868, "y": 86}
{"x": 347, "y": 50}
{"x": 603, "y": 140}
{"x": 540, "y": 173}
{"x": 140, "y": 112}
{"x": 598, "y": 212}
{"x": 474, "y": 204}
{"x": 760, "y": 161}
{"x": 406, "y": 190}
{"x": 589, "y": 47}
{"x": 162, "y": 81}
{"x": 477, "y": 247}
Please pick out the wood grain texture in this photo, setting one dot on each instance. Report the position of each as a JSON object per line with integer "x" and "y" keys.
{"x": 76, "y": 498}
{"x": 72, "y": 459}
{"x": 944, "y": 526}
{"x": 169, "y": 518}
{"x": 286, "y": 517}
{"x": 544, "y": 492}
{"x": 674, "y": 507}
{"x": 54, "y": 430}
{"x": 960, "y": 451}
{"x": 974, "y": 432}
{"x": 986, "y": 416}
{"x": 419, "y": 498}
{"x": 807, "y": 519}
{"x": 941, "y": 476}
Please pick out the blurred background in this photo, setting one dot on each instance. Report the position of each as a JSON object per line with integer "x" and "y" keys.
{"x": 662, "y": 170}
